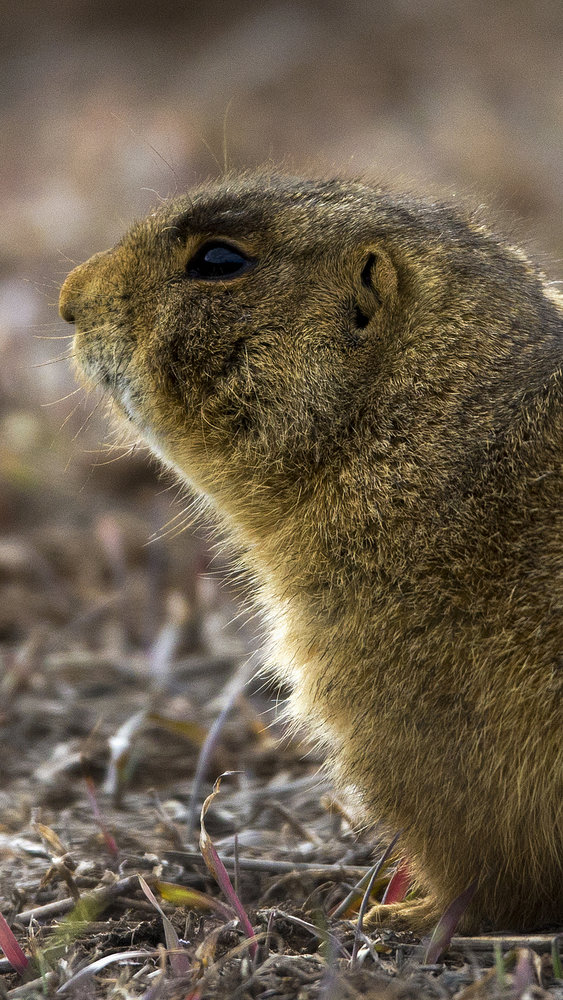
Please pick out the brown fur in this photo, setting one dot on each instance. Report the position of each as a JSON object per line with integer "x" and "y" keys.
{"x": 392, "y": 479}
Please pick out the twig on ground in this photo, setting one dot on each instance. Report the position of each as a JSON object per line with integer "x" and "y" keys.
{"x": 235, "y": 687}
{"x": 102, "y": 896}
{"x": 275, "y": 867}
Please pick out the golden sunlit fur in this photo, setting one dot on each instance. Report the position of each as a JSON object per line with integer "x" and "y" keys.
{"x": 373, "y": 411}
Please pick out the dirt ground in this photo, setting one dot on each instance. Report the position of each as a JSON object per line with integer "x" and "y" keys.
{"x": 124, "y": 689}
{"x": 130, "y": 680}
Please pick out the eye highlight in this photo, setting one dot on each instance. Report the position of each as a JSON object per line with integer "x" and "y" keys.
{"x": 218, "y": 261}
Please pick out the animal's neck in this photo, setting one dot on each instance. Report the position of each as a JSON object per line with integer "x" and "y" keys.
{"x": 379, "y": 516}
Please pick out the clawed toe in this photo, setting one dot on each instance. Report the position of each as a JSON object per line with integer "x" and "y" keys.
{"x": 418, "y": 915}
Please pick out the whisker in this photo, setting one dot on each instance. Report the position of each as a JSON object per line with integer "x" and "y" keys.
{"x": 225, "y": 144}
{"x": 45, "y": 336}
{"x": 155, "y": 151}
{"x": 88, "y": 418}
{"x": 93, "y": 464}
{"x": 117, "y": 458}
{"x": 160, "y": 197}
{"x": 171, "y": 523}
{"x": 45, "y": 323}
{"x": 41, "y": 286}
{"x": 54, "y": 361}
{"x": 189, "y": 523}
{"x": 54, "y": 402}
{"x": 171, "y": 486}
{"x": 105, "y": 447}
{"x": 69, "y": 260}
{"x": 75, "y": 408}
{"x": 207, "y": 145}
{"x": 65, "y": 421}
{"x": 177, "y": 529}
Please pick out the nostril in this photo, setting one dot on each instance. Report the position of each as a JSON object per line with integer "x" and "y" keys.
{"x": 67, "y": 309}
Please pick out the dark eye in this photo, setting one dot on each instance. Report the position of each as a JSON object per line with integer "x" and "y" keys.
{"x": 216, "y": 260}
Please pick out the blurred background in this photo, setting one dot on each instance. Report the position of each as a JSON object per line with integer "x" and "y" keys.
{"x": 122, "y": 655}
{"x": 106, "y": 109}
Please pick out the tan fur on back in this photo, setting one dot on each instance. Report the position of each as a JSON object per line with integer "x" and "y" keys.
{"x": 374, "y": 413}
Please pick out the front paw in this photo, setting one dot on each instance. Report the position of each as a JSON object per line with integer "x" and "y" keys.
{"x": 417, "y": 915}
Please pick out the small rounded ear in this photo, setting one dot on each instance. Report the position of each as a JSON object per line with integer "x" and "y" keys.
{"x": 376, "y": 287}
{"x": 378, "y": 278}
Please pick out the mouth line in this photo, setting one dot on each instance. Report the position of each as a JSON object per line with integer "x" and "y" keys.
{"x": 98, "y": 375}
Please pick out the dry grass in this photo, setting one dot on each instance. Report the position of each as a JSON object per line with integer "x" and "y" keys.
{"x": 117, "y": 656}
{"x": 106, "y": 713}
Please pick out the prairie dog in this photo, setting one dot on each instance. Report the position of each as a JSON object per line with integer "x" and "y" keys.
{"x": 367, "y": 391}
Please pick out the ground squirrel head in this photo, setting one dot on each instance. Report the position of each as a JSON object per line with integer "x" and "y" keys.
{"x": 279, "y": 325}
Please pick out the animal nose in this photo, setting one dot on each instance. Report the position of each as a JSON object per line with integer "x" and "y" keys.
{"x": 69, "y": 298}
{"x": 67, "y": 309}
{"x": 81, "y": 284}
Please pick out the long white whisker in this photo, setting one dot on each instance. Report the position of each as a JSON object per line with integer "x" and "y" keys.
{"x": 53, "y": 361}
{"x": 54, "y": 402}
